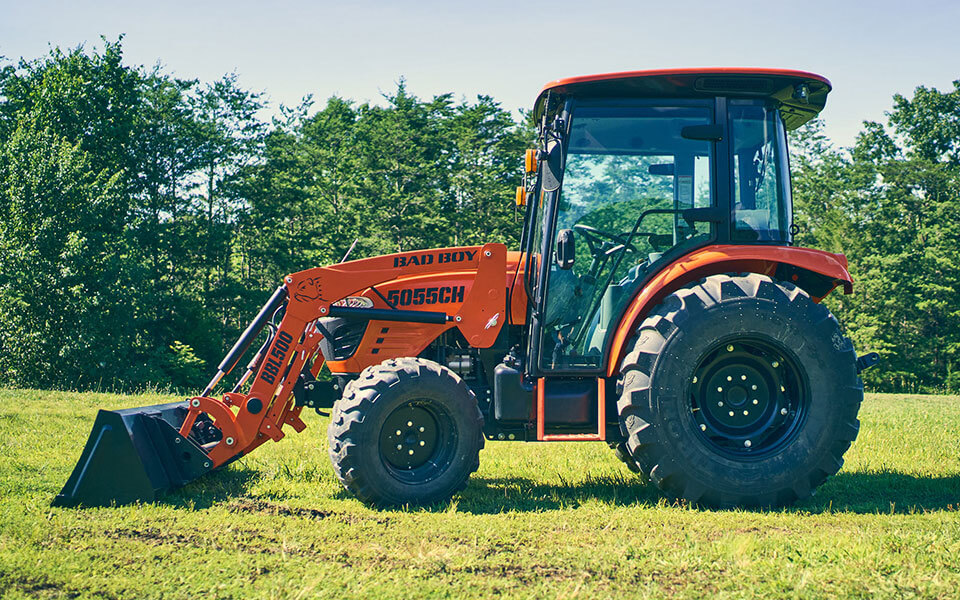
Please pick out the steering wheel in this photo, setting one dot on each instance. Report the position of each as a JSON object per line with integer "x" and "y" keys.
{"x": 595, "y": 238}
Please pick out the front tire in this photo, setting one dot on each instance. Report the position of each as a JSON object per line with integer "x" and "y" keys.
{"x": 740, "y": 391}
{"x": 406, "y": 431}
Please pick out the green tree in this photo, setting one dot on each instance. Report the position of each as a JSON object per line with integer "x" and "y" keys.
{"x": 61, "y": 264}
{"x": 889, "y": 204}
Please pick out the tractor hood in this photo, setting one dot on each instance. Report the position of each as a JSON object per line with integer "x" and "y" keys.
{"x": 406, "y": 269}
{"x": 436, "y": 281}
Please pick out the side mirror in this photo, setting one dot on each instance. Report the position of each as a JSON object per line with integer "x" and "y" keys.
{"x": 550, "y": 177}
{"x": 566, "y": 249}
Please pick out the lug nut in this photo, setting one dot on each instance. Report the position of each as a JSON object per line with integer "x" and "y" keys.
{"x": 747, "y": 443}
{"x": 423, "y": 443}
{"x": 703, "y": 427}
{"x": 410, "y": 452}
{"x": 755, "y": 401}
{"x": 694, "y": 378}
{"x": 775, "y": 364}
{"x": 783, "y": 411}
{"x": 746, "y": 413}
{"x": 409, "y": 423}
{"x": 743, "y": 378}
{"x": 399, "y": 432}
{"x": 729, "y": 378}
{"x": 500, "y": 436}
{"x": 719, "y": 388}
{"x": 719, "y": 403}
{"x": 730, "y": 413}
{"x": 399, "y": 446}
{"x": 511, "y": 437}
{"x": 753, "y": 387}
{"x": 729, "y": 347}
{"x": 421, "y": 430}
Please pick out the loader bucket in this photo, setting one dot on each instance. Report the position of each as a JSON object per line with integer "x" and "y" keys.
{"x": 134, "y": 454}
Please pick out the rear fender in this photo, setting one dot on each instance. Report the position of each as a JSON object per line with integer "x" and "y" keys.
{"x": 816, "y": 271}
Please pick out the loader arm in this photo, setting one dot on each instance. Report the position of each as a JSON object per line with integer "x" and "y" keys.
{"x": 267, "y": 407}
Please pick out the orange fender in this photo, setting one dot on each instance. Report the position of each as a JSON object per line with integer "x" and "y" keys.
{"x": 815, "y": 271}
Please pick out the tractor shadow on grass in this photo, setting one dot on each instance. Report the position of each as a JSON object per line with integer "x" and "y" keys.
{"x": 489, "y": 495}
{"x": 890, "y": 492}
{"x": 219, "y": 486}
{"x": 887, "y": 492}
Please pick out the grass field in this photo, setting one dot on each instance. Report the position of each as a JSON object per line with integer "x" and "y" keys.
{"x": 537, "y": 521}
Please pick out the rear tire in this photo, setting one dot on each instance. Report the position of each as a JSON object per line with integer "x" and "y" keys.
{"x": 739, "y": 391}
{"x": 439, "y": 440}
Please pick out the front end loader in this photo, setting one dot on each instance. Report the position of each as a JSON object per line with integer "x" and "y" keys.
{"x": 657, "y": 304}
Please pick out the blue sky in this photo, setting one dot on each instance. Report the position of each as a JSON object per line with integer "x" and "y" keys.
{"x": 869, "y": 50}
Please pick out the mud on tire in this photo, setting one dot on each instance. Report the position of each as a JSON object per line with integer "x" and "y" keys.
{"x": 739, "y": 391}
{"x": 406, "y": 431}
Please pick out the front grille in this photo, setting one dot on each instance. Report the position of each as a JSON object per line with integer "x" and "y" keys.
{"x": 340, "y": 337}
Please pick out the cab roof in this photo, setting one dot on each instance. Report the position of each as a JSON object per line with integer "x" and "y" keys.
{"x": 779, "y": 84}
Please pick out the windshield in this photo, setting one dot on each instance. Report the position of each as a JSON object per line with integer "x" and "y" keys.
{"x": 620, "y": 162}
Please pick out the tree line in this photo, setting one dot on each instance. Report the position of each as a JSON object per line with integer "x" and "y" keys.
{"x": 145, "y": 218}
{"x": 891, "y": 204}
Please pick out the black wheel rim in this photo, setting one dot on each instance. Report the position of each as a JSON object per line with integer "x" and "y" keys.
{"x": 418, "y": 441}
{"x": 748, "y": 398}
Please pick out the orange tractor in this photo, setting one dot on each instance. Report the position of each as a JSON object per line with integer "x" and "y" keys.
{"x": 657, "y": 304}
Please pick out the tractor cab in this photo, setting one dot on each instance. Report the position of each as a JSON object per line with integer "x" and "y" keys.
{"x": 638, "y": 169}
{"x": 641, "y": 183}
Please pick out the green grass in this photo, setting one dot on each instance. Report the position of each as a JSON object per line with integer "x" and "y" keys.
{"x": 537, "y": 521}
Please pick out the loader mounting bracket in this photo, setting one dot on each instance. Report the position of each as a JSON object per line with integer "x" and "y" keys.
{"x": 315, "y": 394}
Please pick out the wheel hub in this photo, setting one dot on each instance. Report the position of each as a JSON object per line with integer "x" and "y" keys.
{"x": 746, "y": 398}
{"x": 409, "y": 437}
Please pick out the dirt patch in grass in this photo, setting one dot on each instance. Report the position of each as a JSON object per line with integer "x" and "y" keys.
{"x": 32, "y": 587}
{"x": 257, "y": 506}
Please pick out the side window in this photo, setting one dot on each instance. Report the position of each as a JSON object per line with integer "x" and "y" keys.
{"x": 761, "y": 208}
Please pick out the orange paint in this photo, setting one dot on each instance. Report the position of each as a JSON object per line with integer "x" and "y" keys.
{"x": 722, "y": 259}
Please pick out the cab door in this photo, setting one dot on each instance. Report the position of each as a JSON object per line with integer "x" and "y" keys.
{"x": 630, "y": 169}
